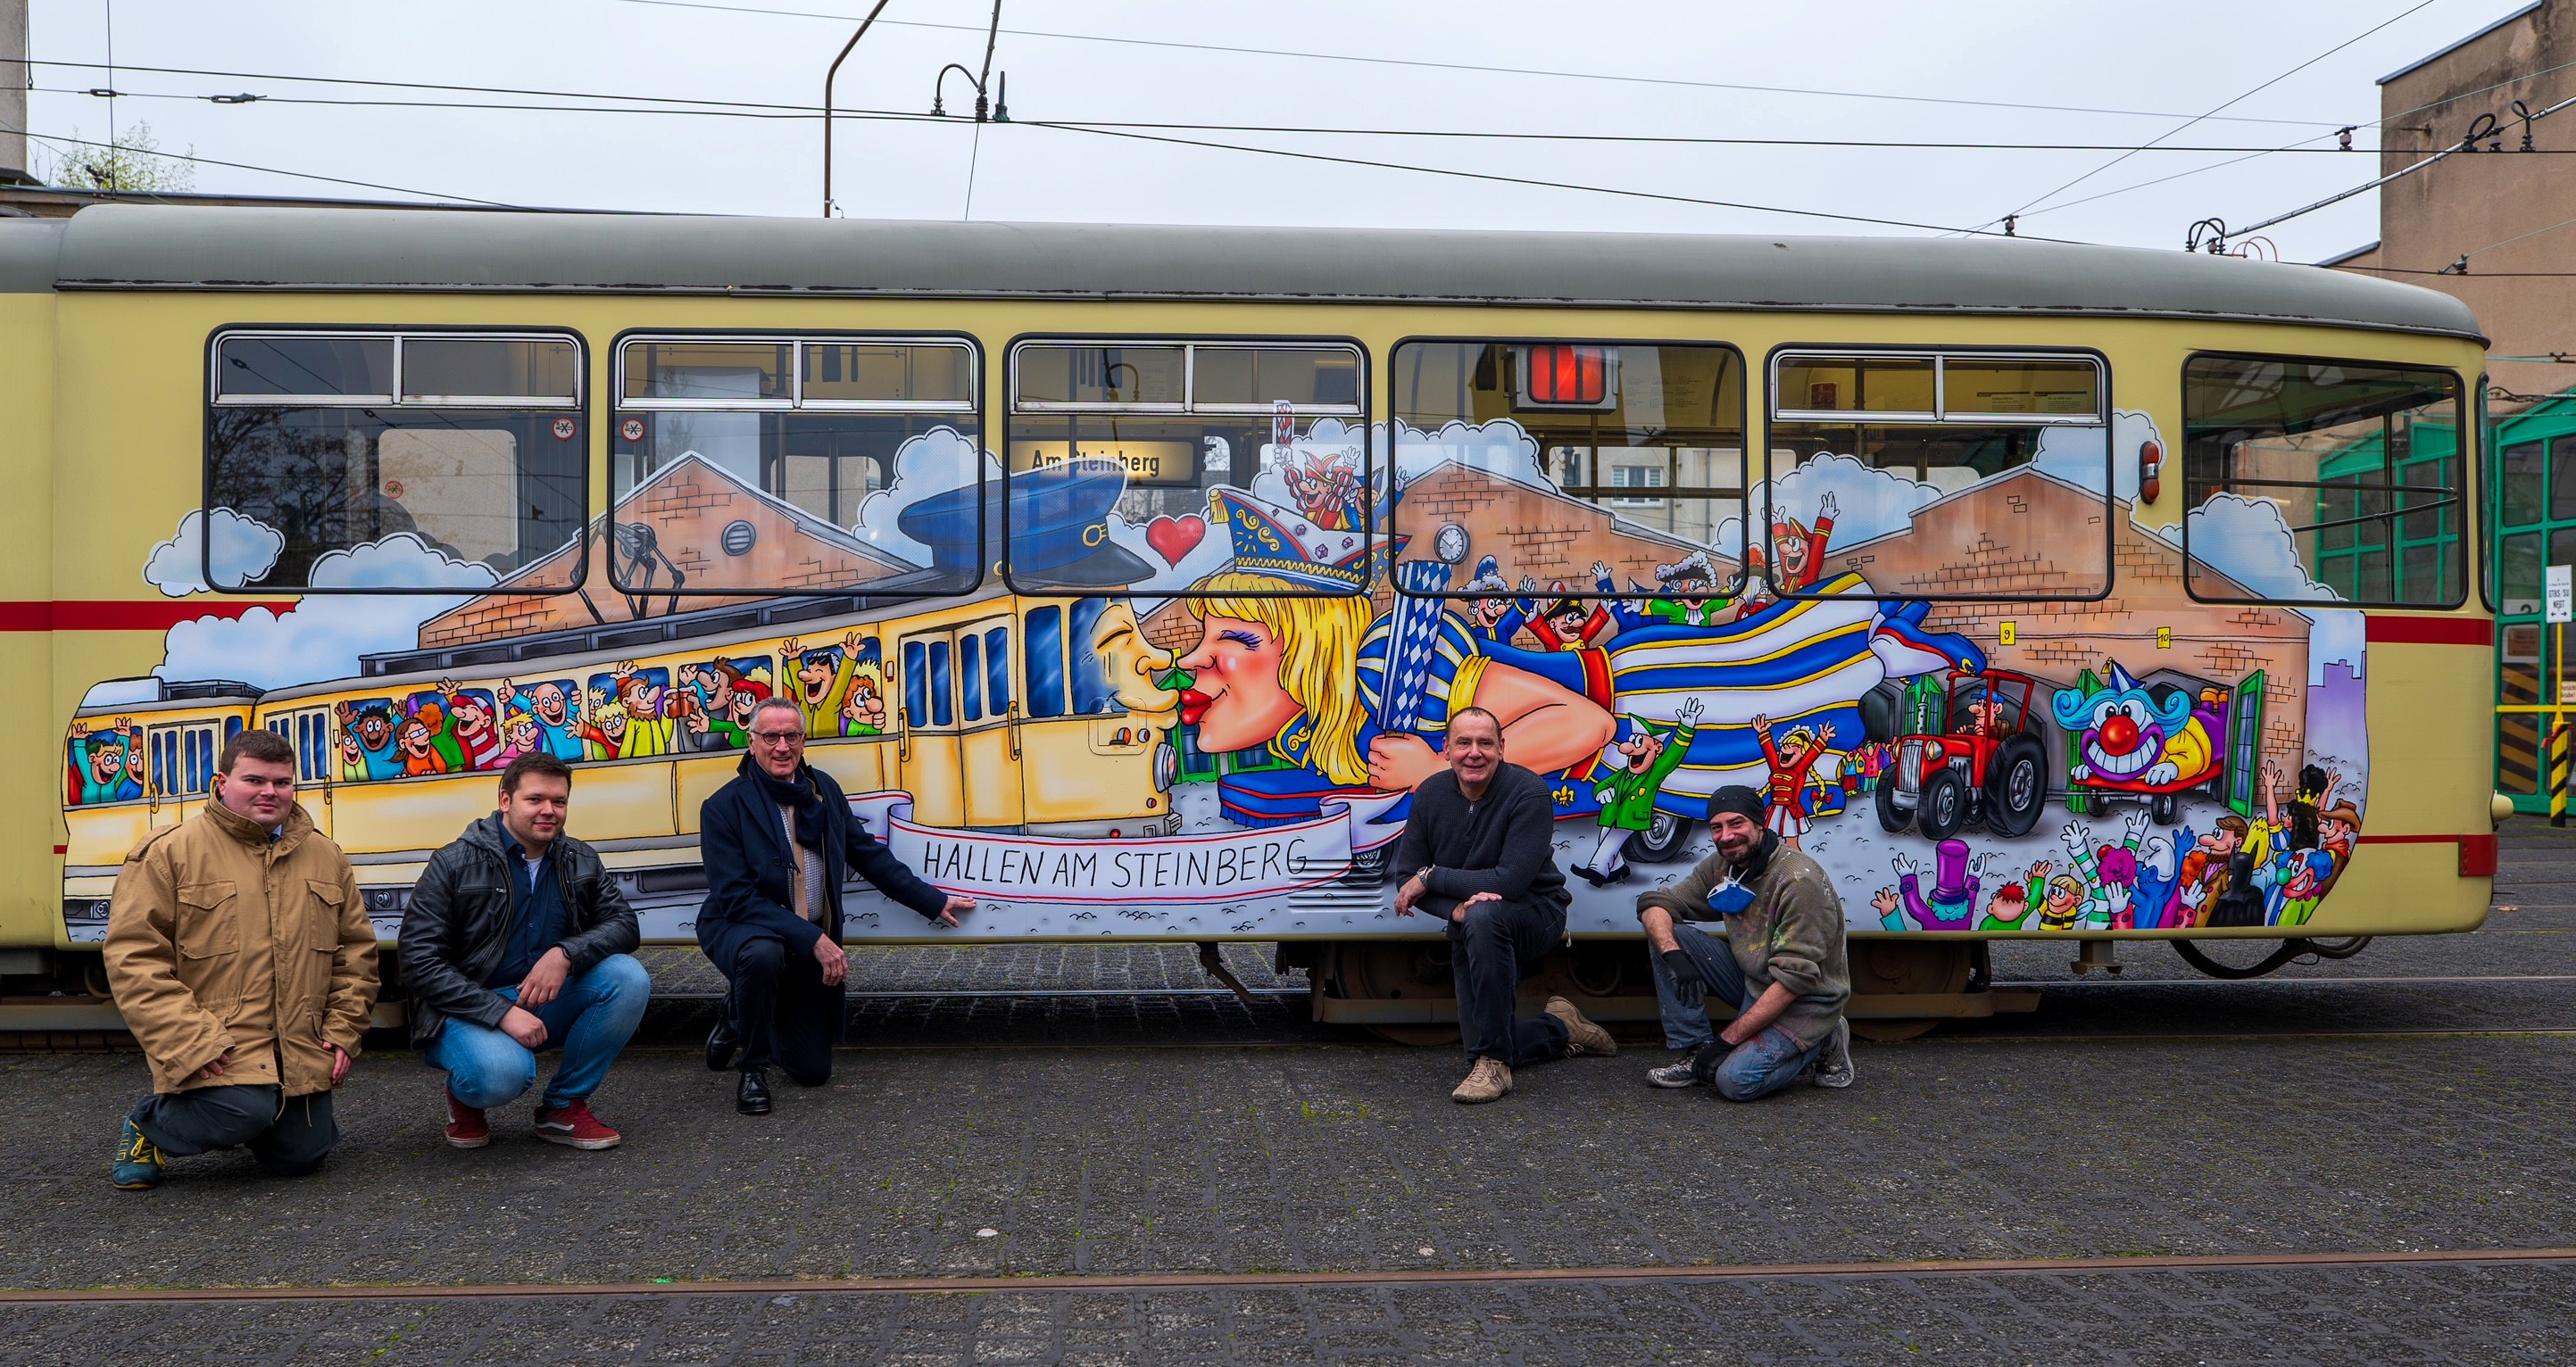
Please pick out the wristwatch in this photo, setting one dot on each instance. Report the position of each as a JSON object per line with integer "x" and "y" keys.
{"x": 1424, "y": 873}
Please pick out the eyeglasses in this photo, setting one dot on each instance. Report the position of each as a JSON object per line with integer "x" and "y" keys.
{"x": 779, "y": 737}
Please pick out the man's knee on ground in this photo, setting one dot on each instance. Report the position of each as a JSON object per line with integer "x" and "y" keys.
{"x": 802, "y": 1079}
{"x": 298, "y": 1166}
{"x": 225, "y": 1116}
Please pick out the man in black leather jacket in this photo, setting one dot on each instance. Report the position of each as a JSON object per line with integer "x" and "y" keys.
{"x": 518, "y": 940}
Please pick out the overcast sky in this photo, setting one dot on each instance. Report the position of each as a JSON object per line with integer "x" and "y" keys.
{"x": 2121, "y": 73}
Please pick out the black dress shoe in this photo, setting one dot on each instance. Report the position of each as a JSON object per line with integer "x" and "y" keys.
{"x": 723, "y": 1044}
{"x": 752, "y": 1097}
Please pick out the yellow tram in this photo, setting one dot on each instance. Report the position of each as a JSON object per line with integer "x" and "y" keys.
{"x": 1128, "y": 576}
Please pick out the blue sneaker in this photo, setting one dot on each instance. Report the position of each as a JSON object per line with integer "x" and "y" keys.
{"x": 138, "y": 1161}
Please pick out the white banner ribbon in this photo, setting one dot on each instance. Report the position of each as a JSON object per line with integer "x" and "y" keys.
{"x": 1129, "y": 870}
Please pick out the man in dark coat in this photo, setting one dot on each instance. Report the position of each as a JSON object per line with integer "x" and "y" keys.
{"x": 777, "y": 842}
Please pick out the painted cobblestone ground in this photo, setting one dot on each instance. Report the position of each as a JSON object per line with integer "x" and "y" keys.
{"x": 2337, "y": 1111}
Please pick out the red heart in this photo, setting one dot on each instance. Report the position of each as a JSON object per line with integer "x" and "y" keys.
{"x": 1173, "y": 538}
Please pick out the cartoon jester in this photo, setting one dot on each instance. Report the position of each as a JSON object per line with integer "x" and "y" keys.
{"x": 1627, "y": 794}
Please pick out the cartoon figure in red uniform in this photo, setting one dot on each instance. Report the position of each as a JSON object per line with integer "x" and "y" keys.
{"x": 1791, "y": 757}
{"x": 1326, "y": 487}
{"x": 1568, "y": 624}
{"x": 1797, "y": 554}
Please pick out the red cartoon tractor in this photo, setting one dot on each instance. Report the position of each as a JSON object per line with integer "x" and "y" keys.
{"x": 1973, "y": 753}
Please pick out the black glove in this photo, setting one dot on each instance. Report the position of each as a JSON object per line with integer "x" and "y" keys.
{"x": 1687, "y": 987}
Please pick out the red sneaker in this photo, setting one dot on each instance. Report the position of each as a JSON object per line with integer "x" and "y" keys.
{"x": 573, "y": 1124}
{"x": 465, "y": 1126}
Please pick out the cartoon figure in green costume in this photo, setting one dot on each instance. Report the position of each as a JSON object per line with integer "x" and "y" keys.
{"x": 1628, "y": 795}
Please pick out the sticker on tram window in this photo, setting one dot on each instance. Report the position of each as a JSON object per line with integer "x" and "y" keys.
{"x": 1968, "y": 675}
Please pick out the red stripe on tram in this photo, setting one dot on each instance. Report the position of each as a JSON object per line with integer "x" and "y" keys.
{"x": 2429, "y": 631}
{"x": 90, "y": 614}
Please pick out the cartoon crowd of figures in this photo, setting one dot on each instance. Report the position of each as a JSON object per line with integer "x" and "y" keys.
{"x": 2268, "y": 870}
{"x": 626, "y": 713}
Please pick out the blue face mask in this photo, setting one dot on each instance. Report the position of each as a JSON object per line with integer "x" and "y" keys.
{"x": 1730, "y": 898}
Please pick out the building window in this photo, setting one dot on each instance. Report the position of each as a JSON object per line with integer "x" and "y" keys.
{"x": 748, "y": 465}
{"x": 2348, "y": 475}
{"x": 390, "y": 461}
{"x": 1111, "y": 439}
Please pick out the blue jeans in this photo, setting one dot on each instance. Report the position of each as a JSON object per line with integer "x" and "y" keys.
{"x": 1759, "y": 1066}
{"x": 591, "y": 1018}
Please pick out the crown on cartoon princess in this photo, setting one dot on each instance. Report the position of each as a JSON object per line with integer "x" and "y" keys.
{"x": 1269, "y": 539}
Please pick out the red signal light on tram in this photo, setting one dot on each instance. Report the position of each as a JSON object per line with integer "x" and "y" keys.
{"x": 1564, "y": 375}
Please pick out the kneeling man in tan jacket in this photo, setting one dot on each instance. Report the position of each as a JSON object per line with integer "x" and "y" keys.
{"x": 241, "y": 956}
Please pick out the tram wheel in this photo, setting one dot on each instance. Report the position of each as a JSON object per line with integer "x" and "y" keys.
{"x": 1396, "y": 970}
{"x": 1909, "y": 967}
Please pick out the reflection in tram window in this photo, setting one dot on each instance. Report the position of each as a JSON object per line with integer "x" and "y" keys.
{"x": 997, "y": 668}
{"x": 970, "y": 670}
{"x": 941, "y": 690}
{"x": 916, "y": 679}
{"x": 1093, "y": 692}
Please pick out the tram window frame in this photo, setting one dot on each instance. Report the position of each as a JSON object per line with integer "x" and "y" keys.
{"x": 974, "y": 408}
{"x": 1604, "y": 496}
{"x": 2105, "y": 412}
{"x": 215, "y": 399}
{"x": 2451, "y": 511}
{"x": 1359, "y": 413}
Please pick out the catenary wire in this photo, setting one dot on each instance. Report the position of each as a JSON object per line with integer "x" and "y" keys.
{"x": 1472, "y": 66}
{"x": 270, "y": 170}
{"x": 792, "y": 112}
{"x": 2035, "y": 205}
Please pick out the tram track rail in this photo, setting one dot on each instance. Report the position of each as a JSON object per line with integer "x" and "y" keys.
{"x": 1132, "y": 1283}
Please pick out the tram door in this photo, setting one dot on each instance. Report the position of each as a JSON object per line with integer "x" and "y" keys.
{"x": 183, "y": 769}
{"x": 309, "y": 731}
{"x": 960, "y": 719}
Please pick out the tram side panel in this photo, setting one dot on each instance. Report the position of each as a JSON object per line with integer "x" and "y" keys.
{"x": 31, "y": 813}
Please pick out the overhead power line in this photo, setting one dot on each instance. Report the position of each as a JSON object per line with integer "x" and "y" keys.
{"x": 2037, "y": 205}
{"x": 269, "y": 170}
{"x": 1480, "y": 68}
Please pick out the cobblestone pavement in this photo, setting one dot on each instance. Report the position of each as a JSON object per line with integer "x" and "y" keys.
{"x": 2363, "y": 1105}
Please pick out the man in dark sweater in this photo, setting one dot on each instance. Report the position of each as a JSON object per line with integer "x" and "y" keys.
{"x": 1478, "y": 851}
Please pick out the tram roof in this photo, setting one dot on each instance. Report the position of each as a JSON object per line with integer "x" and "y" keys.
{"x": 121, "y": 246}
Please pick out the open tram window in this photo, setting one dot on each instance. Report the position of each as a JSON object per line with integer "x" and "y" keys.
{"x": 1540, "y": 475}
{"x": 796, "y": 464}
{"x": 2306, "y": 479}
{"x": 393, "y": 461}
{"x": 1138, "y": 461}
{"x": 1885, "y": 457}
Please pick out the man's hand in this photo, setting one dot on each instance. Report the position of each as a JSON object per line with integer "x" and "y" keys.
{"x": 956, "y": 907}
{"x": 341, "y": 1063}
{"x": 1688, "y": 988}
{"x": 834, "y": 959}
{"x": 1399, "y": 763}
{"x": 1409, "y": 894}
{"x": 216, "y": 1068}
{"x": 1458, "y": 913}
{"x": 545, "y": 981}
{"x": 524, "y": 1027}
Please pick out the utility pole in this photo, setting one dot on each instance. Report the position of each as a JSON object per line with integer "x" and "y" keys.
{"x": 13, "y": 93}
{"x": 827, "y": 97}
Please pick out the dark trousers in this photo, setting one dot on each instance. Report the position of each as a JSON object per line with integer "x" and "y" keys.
{"x": 1486, "y": 952}
{"x": 787, "y": 1015}
{"x": 289, "y": 1138}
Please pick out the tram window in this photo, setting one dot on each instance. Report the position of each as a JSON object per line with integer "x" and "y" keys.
{"x": 1093, "y": 691}
{"x": 941, "y": 688}
{"x": 1504, "y": 441}
{"x": 392, "y": 462}
{"x": 2521, "y": 486}
{"x": 916, "y": 684}
{"x": 2304, "y": 475}
{"x": 1936, "y": 423}
{"x": 970, "y": 675}
{"x": 1108, "y": 439}
{"x": 997, "y": 669}
{"x": 1045, "y": 665}
{"x": 750, "y": 465}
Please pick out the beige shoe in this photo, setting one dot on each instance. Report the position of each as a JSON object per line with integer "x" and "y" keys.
{"x": 1582, "y": 1036}
{"x": 1489, "y": 1080}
